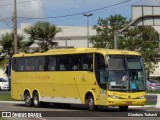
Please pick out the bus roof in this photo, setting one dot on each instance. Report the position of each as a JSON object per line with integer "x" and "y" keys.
{"x": 80, "y": 50}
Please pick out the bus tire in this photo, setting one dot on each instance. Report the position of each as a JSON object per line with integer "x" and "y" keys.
{"x": 28, "y": 99}
{"x": 123, "y": 108}
{"x": 90, "y": 103}
{"x": 36, "y": 102}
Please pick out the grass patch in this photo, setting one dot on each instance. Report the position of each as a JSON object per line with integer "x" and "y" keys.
{"x": 6, "y": 97}
{"x": 154, "y": 91}
{"x": 150, "y": 103}
{"x": 1, "y": 118}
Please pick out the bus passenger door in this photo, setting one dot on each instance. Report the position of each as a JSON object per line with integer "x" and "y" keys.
{"x": 103, "y": 99}
{"x": 101, "y": 77}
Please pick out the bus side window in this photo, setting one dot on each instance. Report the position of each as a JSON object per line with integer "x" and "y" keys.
{"x": 41, "y": 67}
{"x": 21, "y": 68}
{"x": 74, "y": 67}
{"x": 85, "y": 66}
{"x": 29, "y": 64}
{"x": 91, "y": 66}
{"x": 21, "y": 64}
{"x": 64, "y": 62}
{"x": 52, "y": 63}
{"x": 62, "y": 67}
{"x": 15, "y": 64}
{"x": 39, "y": 63}
{"x": 87, "y": 62}
{"x": 76, "y": 62}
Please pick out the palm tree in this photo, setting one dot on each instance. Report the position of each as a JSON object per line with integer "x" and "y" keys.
{"x": 43, "y": 34}
{"x": 7, "y": 42}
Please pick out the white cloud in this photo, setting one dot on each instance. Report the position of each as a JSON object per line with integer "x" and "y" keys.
{"x": 47, "y": 8}
{"x": 35, "y": 8}
{"x": 32, "y": 8}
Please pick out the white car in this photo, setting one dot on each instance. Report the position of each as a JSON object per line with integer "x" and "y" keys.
{"x": 4, "y": 84}
{"x": 153, "y": 85}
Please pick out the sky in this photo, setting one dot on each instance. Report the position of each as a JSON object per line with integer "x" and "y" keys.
{"x": 66, "y": 12}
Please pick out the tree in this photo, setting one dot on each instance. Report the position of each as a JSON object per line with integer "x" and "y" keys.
{"x": 143, "y": 39}
{"x": 7, "y": 42}
{"x": 43, "y": 33}
{"x": 105, "y": 31}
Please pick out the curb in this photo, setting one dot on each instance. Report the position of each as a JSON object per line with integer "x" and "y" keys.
{"x": 151, "y": 94}
{"x": 142, "y": 106}
{"x": 17, "y": 102}
{"x": 158, "y": 101}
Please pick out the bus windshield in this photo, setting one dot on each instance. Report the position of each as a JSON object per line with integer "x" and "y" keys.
{"x": 126, "y": 73}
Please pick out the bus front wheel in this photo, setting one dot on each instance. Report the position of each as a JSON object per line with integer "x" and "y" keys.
{"x": 90, "y": 103}
{"x": 123, "y": 108}
{"x": 27, "y": 99}
{"x": 36, "y": 102}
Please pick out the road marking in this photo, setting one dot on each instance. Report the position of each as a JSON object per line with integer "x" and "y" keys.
{"x": 40, "y": 118}
{"x": 103, "y": 115}
{"x": 152, "y": 110}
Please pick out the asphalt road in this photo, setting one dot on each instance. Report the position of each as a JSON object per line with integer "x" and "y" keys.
{"x": 152, "y": 98}
{"x": 4, "y": 91}
{"x": 75, "y": 111}
{"x": 78, "y": 111}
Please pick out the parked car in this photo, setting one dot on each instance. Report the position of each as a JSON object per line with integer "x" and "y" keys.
{"x": 4, "y": 85}
{"x": 153, "y": 85}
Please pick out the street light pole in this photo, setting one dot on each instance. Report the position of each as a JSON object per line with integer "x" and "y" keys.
{"x": 15, "y": 27}
{"x": 87, "y": 15}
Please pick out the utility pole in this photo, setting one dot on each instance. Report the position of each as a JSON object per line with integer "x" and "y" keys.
{"x": 15, "y": 27}
{"x": 116, "y": 33}
{"x": 88, "y": 15}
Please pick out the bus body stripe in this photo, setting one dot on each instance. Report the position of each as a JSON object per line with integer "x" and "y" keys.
{"x": 60, "y": 100}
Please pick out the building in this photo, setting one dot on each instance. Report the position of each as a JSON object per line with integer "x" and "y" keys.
{"x": 70, "y": 36}
{"x": 74, "y": 37}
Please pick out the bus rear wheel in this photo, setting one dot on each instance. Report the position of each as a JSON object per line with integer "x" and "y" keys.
{"x": 90, "y": 103}
{"x": 28, "y": 99}
{"x": 36, "y": 102}
{"x": 123, "y": 108}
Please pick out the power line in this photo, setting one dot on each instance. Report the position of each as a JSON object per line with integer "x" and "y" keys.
{"x": 3, "y": 19}
{"x": 6, "y": 23}
{"x": 103, "y": 10}
{"x": 70, "y": 15}
{"x": 63, "y": 16}
{"x": 119, "y": 7}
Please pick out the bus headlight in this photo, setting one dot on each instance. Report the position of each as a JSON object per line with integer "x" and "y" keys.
{"x": 114, "y": 97}
{"x": 142, "y": 97}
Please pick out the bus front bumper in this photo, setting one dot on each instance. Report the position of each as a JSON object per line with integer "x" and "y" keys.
{"x": 126, "y": 102}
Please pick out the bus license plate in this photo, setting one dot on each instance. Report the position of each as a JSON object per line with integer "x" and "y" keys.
{"x": 129, "y": 102}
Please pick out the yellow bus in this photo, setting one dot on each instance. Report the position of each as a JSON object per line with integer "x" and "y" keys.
{"x": 92, "y": 76}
